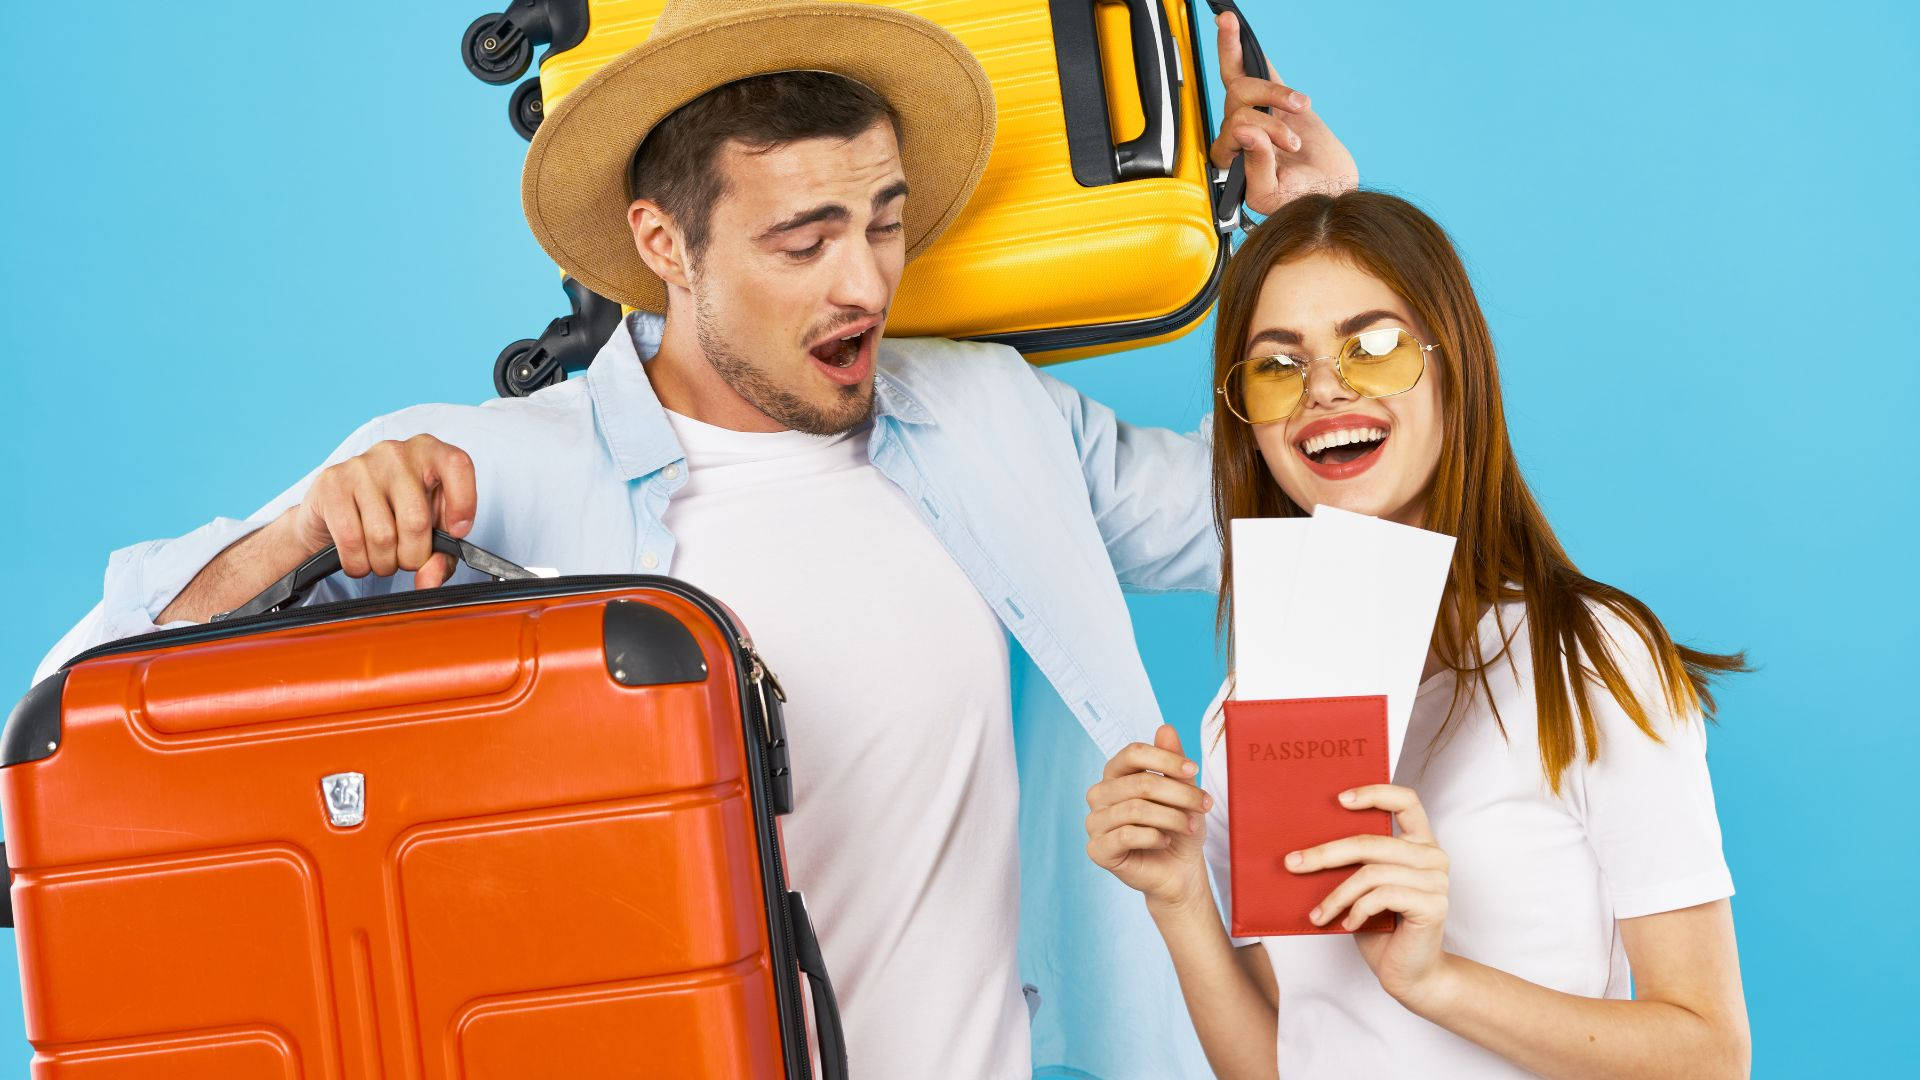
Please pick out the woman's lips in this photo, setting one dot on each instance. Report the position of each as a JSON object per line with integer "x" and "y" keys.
{"x": 1347, "y": 469}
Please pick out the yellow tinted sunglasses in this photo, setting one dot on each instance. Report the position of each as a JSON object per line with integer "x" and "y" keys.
{"x": 1372, "y": 363}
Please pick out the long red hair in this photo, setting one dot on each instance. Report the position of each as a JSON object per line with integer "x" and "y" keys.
{"x": 1505, "y": 549}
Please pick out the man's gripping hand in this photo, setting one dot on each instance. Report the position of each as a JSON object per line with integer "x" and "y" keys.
{"x": 1290, "y": 151}
{"x": 379, "y": 508}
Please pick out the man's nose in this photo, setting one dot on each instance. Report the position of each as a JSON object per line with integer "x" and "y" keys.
{"x": 1324, "y": 388}
{"x": 861, "y": 282}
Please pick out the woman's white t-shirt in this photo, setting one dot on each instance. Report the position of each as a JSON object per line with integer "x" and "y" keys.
{"x": 1537, "y": 881}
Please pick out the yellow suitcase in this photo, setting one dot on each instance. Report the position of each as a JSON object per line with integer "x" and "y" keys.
{"x": 1098, "y": 226}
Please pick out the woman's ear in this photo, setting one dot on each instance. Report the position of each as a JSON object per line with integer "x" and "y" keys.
{"x": 662, "y": 246}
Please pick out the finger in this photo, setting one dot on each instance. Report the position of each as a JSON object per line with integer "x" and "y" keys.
{"x": 1110, "y": 847}
{"x": 1403, "y": 802}
{"x": 412, "y": 522}
{"x": 376, "y": 525}
{"x": 1424, "y": 908}
{"x": 1367, "y": 848}
{"x": 1142, "y": 785}
{"x": 1279, "y": 133}
{"x": 1137, "y": 757}
{"x": 1263, "y": 170}
{"x": 435, "y": 573}
{"x": 342, "y": 517}
{"x": 449, "y": 471}
{"x": 1249, "y": 92}
{"x": 1373, "y": 876}
{"x": 1232, "y": 64}
{"x": 1143, "y": 812}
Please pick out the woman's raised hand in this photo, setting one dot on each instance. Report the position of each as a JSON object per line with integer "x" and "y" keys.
{"x": 1147, "y": 822}
{"x": 1406, "y": 874}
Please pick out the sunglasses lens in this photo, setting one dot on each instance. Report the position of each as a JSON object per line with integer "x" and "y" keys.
{"x": 1264, "y": 389}
{"x": 1381, "y": 363}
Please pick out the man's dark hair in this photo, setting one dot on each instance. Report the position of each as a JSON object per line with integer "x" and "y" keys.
{"x": 675, "y": 163}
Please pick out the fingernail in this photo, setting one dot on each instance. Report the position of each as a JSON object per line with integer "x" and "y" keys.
{"x": 1189, "y": 768}
{"x": 1296, "y": 100}
{"x": 1206, "y": 802}
{"x": 1347, "y": 797}
{"x": 1314, "y": 916}
{"x": 1293, "y": 860}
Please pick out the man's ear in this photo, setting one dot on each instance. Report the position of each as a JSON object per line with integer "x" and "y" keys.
{"x": 662, "y": 246}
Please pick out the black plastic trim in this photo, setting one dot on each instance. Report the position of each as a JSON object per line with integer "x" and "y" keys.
{"x": 646, "y": 646}
{"x": 1083, "y": 93}
{"x": 33, "y": 728}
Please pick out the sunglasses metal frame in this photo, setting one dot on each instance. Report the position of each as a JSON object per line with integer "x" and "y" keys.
{"x": 1306, "y": 368}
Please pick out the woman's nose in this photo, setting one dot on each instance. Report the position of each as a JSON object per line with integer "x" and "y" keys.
{"x": 1324, "y": 388}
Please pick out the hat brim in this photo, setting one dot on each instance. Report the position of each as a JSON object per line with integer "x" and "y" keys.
{"x": 574, "y": 186}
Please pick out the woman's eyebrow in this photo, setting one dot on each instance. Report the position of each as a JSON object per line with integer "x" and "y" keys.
{"x": 1354, "y": 324}
{"x": 1276, "y": 336}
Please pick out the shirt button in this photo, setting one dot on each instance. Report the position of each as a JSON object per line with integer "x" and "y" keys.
{"x": 671, "y": 472}
{"x": 649, "y": 560}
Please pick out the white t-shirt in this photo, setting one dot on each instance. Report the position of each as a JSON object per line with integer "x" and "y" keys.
{"x": 904, "y": 836}
{"x": 1537, "y": 881}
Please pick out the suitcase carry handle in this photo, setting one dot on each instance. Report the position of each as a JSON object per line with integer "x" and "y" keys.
{"x": 1233, "y": 186}
{"x": 828, "y": 1035}
{"x": 1096, "y": 159}
{"x": 294, "y": 587}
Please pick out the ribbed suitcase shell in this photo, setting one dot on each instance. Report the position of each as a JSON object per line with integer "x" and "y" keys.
{"x": 558, "y": 875}
{"x": 1037, "y": 260}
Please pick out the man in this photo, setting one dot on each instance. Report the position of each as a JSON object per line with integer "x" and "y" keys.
{"x": 882, "y": 514}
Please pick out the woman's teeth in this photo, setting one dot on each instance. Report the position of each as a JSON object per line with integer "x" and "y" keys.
{"x": 1344, "y": 445}
{"x": 1327, "y": 441}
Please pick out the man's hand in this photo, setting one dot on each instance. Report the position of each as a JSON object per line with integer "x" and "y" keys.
{"x": 1290, "y": 152}
{"x": 379, "y": 509}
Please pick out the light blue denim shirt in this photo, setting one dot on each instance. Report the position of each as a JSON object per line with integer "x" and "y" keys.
{"x": 1047, "y": 502}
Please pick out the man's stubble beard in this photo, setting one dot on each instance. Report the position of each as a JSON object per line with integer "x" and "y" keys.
{"x": 853, "y": 407}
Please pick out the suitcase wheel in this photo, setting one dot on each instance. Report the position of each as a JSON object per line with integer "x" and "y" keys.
{"x": 496, "y": 50}
{"x": 524, "y": 108}
{"x": 524, "y": 367}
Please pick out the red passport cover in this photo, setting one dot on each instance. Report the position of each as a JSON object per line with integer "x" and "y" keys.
{"x": 1288, "y": 761}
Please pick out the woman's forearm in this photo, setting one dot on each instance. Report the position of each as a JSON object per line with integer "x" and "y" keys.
{"x": 1568, "y": 1037}
{"x": 1234, "y": 1019}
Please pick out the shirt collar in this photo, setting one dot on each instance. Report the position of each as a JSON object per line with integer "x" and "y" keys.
{"x": 634, "y": 423}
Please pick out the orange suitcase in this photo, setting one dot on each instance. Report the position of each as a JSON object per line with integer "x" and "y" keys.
{"x": 516, "y": 829}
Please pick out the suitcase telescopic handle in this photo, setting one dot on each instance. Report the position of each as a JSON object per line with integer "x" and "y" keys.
{"x": 1156, "y": 66}
{"x": 1232, "y": 192}
{"x": 294, "y": 587}
{"x": 1096, "y": 159}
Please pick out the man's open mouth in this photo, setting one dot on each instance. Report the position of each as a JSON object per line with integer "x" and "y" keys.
{"x": 842, "y": 352}
{"x": 1343, "y": 446}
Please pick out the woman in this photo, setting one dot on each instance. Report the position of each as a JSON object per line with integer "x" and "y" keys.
{"x": 1554, "y": 834}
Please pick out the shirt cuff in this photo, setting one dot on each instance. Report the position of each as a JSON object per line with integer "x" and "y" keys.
{"x": 144, "y": 578}
{"x": 1716, "y": 884}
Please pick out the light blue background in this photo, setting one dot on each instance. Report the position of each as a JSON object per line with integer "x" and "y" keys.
{"x": 235, "y": 231}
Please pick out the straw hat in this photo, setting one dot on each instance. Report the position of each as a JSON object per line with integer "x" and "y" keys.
{"x": 574, "y": 187}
